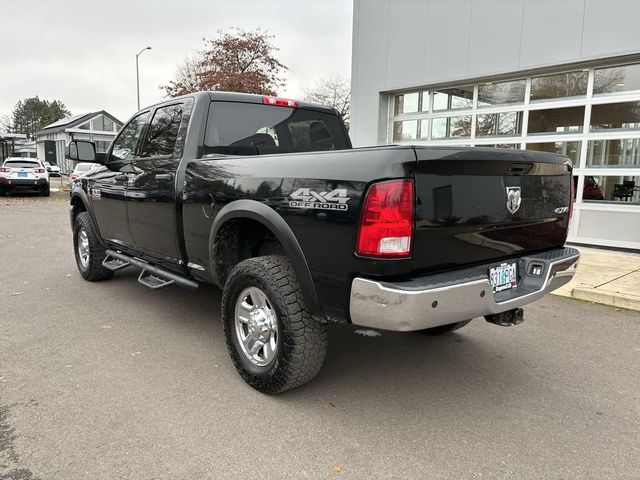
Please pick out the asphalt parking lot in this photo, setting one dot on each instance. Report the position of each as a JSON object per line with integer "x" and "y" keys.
{"x": 114, "y": 381}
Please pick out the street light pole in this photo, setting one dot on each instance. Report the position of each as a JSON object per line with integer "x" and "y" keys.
{"x": 138, "y": 74}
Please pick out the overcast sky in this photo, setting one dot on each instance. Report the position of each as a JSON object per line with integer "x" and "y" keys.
{"x": 82, "y": 52}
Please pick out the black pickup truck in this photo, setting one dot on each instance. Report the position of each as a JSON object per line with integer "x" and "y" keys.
{"x": 265, "y": 198}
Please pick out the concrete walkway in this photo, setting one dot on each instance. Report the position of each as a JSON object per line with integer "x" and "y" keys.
{"x": 608, "y": 277}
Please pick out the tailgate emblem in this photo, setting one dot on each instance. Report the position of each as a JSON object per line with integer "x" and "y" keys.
{"x": 513, "y": 199}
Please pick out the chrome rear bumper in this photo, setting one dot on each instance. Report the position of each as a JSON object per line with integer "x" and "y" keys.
{"x": 455, "y": 296}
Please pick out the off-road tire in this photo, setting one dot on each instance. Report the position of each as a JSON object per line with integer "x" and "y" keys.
{"x": 302, "y": 340}
{"x": 442, "y": 329}
{"x": 94, "y": 271}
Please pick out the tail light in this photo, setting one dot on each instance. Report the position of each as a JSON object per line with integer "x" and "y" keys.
{"x": 280, "y": 102}
{"x": 40, "y": 170}
{"x": 386, "y": 223}
{"x": 572, "y": 196}
{"x": 4, "y": 170}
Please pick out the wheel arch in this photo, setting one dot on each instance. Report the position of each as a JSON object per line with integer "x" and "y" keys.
{"x": 80, "y": 203}
{"x": 276, "y": 225}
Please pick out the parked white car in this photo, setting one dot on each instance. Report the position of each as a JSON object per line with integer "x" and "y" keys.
{"x": 18, "y": 173}
{"x": 54, "y": 170}
{"x": 80, "y": 169}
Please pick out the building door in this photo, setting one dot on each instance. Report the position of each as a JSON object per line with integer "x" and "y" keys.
{"x": 50, "y": 152}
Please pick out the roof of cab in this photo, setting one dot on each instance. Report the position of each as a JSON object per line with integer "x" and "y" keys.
{"x": 244, "y": 98}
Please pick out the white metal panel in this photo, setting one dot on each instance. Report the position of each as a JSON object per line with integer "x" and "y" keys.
{"x": 610, "y": 225}
{"x": 407, "y": 45}
{"x": 447, "y": 49}
{"x": 610, "y": 27}
{"x": 496, "y": 27}
{"x": 551, "y": 32}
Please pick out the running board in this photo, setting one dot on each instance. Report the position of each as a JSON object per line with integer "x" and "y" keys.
{"x": 152, "y": 276}
{"x": 114, "y": 264}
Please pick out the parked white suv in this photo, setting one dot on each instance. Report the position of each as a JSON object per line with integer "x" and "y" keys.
{"x": 18, "y": 173}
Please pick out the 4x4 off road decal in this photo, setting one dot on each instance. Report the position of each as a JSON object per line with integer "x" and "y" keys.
{"x": 334, "y": 200}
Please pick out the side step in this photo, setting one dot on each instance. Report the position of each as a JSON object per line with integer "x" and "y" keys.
{"x": 114, "y": 264}
{"x": 151, "y": 276}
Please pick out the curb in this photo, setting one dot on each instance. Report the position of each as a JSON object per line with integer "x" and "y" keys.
{"x": 607, "y": 298}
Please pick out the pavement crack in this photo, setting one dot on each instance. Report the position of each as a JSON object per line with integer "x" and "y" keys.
{"x": 617, "y": 278}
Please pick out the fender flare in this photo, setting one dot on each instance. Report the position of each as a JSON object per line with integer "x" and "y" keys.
{"x": 268, "y": 217}
{"x": 82, "y": 195}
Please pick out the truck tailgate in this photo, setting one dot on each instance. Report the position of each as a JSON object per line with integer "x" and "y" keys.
{"x": 479, "y": 205}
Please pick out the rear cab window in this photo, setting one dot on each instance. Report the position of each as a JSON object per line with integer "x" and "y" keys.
{"x": 235, "y": 128}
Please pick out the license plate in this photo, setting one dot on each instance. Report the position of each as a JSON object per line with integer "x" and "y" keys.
{"x": 22, "y": 174}
{"x": 503, "y": 277}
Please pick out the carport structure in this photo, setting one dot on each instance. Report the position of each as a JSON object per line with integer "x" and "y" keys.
{"x": 9, "y": 142}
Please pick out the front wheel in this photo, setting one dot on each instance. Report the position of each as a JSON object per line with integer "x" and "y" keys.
{"x": 89, "y": 252}
{"x": 274, "y": 342}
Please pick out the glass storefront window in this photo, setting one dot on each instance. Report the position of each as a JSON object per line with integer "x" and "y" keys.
{"x": 411, "y": 103}
{"x": 561, "y": 85}
{"x": 568, "y": 149}
{"x": 614, "y": 153}
{"x": 556, "y": 120}
{"x": 609, "y": 188}
{"x": 451, "y": 127}
{"x": 500, "y": 93}
{"x": 625, "y": 116}
{"x": 407, "y": 130}
{"x": 453, "y": 98}
{"x": 618, "y": 79}
{"x": 508, "y": 123}
{"x": 424, "y": 129}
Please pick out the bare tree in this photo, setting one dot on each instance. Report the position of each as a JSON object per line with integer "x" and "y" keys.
{"x": 334, "y": 92}
{"x": 186, "y": 78}
{"x": 6, "y": 125}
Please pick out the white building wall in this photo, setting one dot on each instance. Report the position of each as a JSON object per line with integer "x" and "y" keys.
{"x": 399, "y": 44}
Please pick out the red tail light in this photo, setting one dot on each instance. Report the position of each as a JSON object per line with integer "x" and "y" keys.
{"x": 40, "y": 170}
{"x": 280, "y": 102}
{"x": 572, "y": 196}
{"x": 4, "y": 170}
{"x": 386, "y": 223}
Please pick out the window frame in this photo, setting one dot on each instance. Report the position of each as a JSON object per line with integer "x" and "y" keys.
{"x": 143, "y": 134}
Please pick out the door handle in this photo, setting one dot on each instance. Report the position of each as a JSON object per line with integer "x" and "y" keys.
{"x": 120, "y": 177}
{"x": 164, "y": 176}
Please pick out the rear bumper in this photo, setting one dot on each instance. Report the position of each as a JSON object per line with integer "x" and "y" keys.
{"x": 24, "y": 182}
{"x": 451, "y": 297}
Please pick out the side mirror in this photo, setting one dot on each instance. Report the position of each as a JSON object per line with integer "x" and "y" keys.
{"x": 83, "y": 151}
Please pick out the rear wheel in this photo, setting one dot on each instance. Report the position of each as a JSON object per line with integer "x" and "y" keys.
{"x": 46, "y": 191}
{"x": 274, "y": 342}
{"x": 444, "y": 328}
{"x": 89, "y": 252}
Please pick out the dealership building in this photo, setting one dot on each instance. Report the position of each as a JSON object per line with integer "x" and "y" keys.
{"x": 553, "y": 75}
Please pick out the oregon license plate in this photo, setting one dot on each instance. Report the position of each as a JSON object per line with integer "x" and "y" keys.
{"x": 503, "y": 277}
{"x": 22, "y": 174}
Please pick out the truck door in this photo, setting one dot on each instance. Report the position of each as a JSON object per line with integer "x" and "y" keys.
{"x": 108, "y": 186}
{"x": 151, "y": 190}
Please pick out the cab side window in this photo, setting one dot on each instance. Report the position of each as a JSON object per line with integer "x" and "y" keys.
{"x": 163, "y": 132}
{"x": 125, "y": 148}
